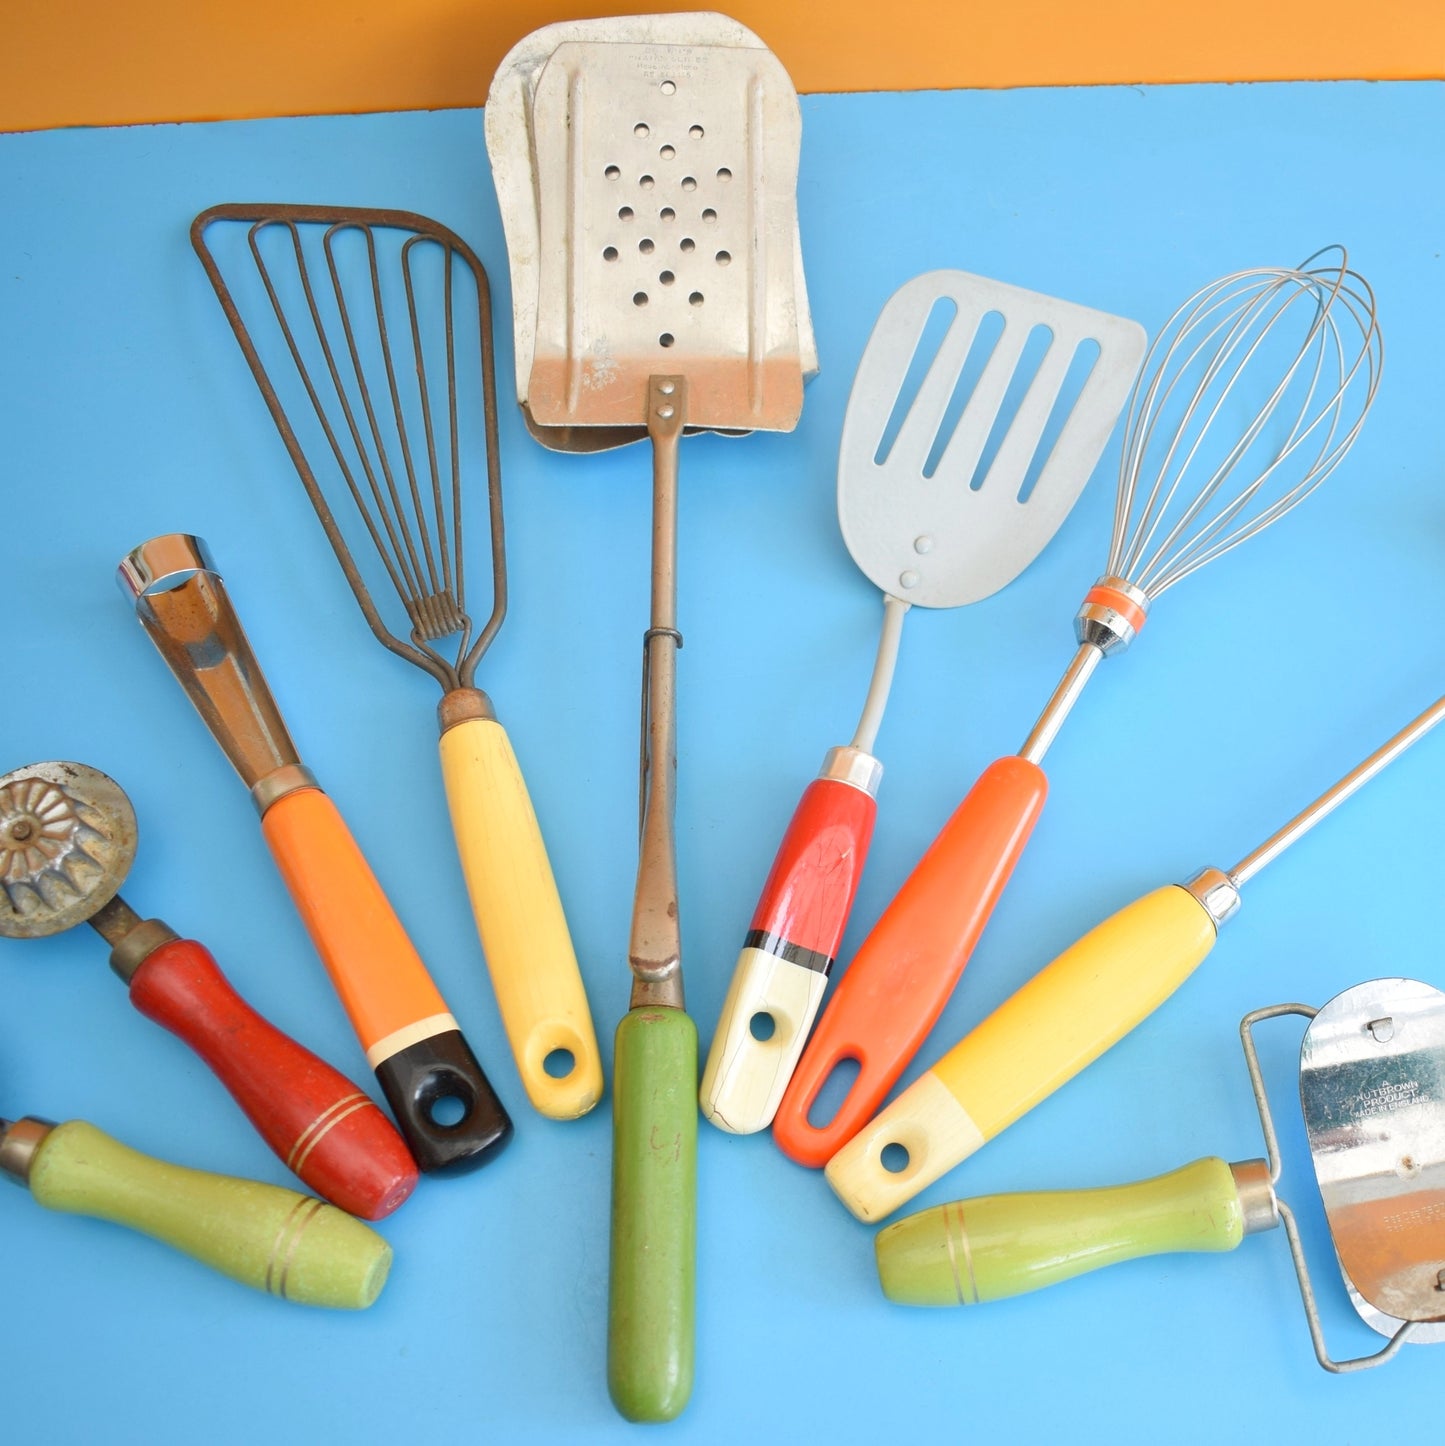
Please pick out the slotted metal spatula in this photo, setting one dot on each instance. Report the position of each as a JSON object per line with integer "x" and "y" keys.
{"x": 977, "y": 414}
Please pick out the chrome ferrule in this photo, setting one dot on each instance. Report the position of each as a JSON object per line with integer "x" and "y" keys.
{"x": 854, "y": 767}
{"x": 1216, "y": 892}
{"x": 1258, "y": 1203}
{"x": 1107, "y": 628}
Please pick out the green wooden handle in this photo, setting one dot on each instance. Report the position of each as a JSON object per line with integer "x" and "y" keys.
{"x": 262, "y": 1235}
{"x": 654, "y": 1214}
{"x": 995, "y": 1246}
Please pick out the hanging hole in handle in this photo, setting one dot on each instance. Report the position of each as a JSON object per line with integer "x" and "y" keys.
{"x": 835, "y": 1089}
{"x": 894, "y": 1158}
{"x": 559, "y": 1063}
{"x": 447, "y": 1111}
{"x": 762, "y": 1026}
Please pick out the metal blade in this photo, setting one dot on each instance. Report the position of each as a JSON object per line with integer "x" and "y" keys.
{"x": 1372, "y": 1084}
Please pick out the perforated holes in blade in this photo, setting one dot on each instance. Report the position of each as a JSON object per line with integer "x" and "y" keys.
{"x": 670, "y": 227}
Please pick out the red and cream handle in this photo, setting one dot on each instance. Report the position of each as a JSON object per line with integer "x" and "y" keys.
{"x": 326, "y": 1130}
{"x": 796, "y": 929}
{"x": 899, "y": 981}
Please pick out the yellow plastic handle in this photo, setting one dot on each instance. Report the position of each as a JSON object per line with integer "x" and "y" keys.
{"x": 520, "y": 920}
{"x": 1064, "y": 1018}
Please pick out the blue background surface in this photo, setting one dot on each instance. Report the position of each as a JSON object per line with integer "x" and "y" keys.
{"x": 128, "y": 412}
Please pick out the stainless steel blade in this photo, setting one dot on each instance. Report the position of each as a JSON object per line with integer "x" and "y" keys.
{"x": 1372, "y": 1085}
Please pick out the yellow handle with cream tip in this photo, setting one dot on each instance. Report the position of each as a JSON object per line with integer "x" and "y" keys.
{"x": 520, "y": 920}
{"x": 1063, "y": 1019}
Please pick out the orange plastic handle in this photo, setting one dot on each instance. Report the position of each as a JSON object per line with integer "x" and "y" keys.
{"x": 374, "y": 967}
{"x": 894, "y": 990}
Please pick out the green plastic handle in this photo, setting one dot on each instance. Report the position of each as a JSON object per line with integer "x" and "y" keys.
{"x": 654, "y": 1214}
{"x": 972, "y": 1251}
{"x": 262, "y": 1235}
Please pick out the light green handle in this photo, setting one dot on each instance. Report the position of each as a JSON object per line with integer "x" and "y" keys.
{"x": 261, "y": 1235}
{"x": 972, "y": 1251}
{"x": 654, "y": 1214}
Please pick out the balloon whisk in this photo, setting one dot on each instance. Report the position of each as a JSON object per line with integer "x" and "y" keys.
{"x": 1249, "y": 397}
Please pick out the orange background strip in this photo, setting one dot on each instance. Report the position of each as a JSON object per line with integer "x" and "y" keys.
{"x": 98, "y": 62}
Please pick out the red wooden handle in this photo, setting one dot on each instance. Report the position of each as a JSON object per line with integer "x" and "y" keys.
{"x": 325, "y": 1129}
{"x": 892, "y": 993}
{"x": 810, "y": 888}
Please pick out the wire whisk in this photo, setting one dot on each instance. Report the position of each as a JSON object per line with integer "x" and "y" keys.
{"x": 1291, "y": 436}
{"x": 1249, "y": 397}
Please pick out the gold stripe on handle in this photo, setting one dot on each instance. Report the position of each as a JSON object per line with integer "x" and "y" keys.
{"x": 952, "y": 1237}
{"x": 288, "y": 1237}
{"x": 408, "y": 1035}
{"x": 322, "y": 1126}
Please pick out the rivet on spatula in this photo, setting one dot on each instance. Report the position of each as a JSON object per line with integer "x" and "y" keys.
{"x": 1382, "y": 1029}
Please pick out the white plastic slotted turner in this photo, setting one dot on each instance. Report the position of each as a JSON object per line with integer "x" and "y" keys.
{"x": 941, "y": 506}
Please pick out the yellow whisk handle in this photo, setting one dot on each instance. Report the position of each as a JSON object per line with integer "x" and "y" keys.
{"x": 520, "y": 920}
{"x": 1039, "y": 1038}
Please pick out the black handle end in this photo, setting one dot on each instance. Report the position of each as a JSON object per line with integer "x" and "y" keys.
{"x": 444, "y": 1104}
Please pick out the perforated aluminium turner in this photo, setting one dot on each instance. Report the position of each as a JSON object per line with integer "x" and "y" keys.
{"x": 1372, "y": 1088}
{"x": 667, "y": 298}
{"x": 977, "y": 415}
{"x": 511, "y": 149}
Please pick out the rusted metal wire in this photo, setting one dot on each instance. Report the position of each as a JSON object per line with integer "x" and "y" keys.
{"x": 411, "y": 508}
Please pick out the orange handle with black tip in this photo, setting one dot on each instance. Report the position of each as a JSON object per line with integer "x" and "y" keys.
{"x": 410, "y": 1037}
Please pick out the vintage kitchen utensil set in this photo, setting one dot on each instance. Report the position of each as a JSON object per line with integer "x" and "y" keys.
{"x": 646, "y": 169}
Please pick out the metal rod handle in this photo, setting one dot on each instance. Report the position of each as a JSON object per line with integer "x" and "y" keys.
{"x": 1332, "y": 798}
{"x": 655, "y": 947}
{"x": 1058, "y": 708}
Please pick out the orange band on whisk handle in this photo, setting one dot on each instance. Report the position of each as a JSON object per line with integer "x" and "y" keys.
{"x": 1110, "y": 597}
{"x": 1111, "y": 614}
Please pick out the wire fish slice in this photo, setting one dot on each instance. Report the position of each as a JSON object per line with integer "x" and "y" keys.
{"x": 370, "y": 306}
